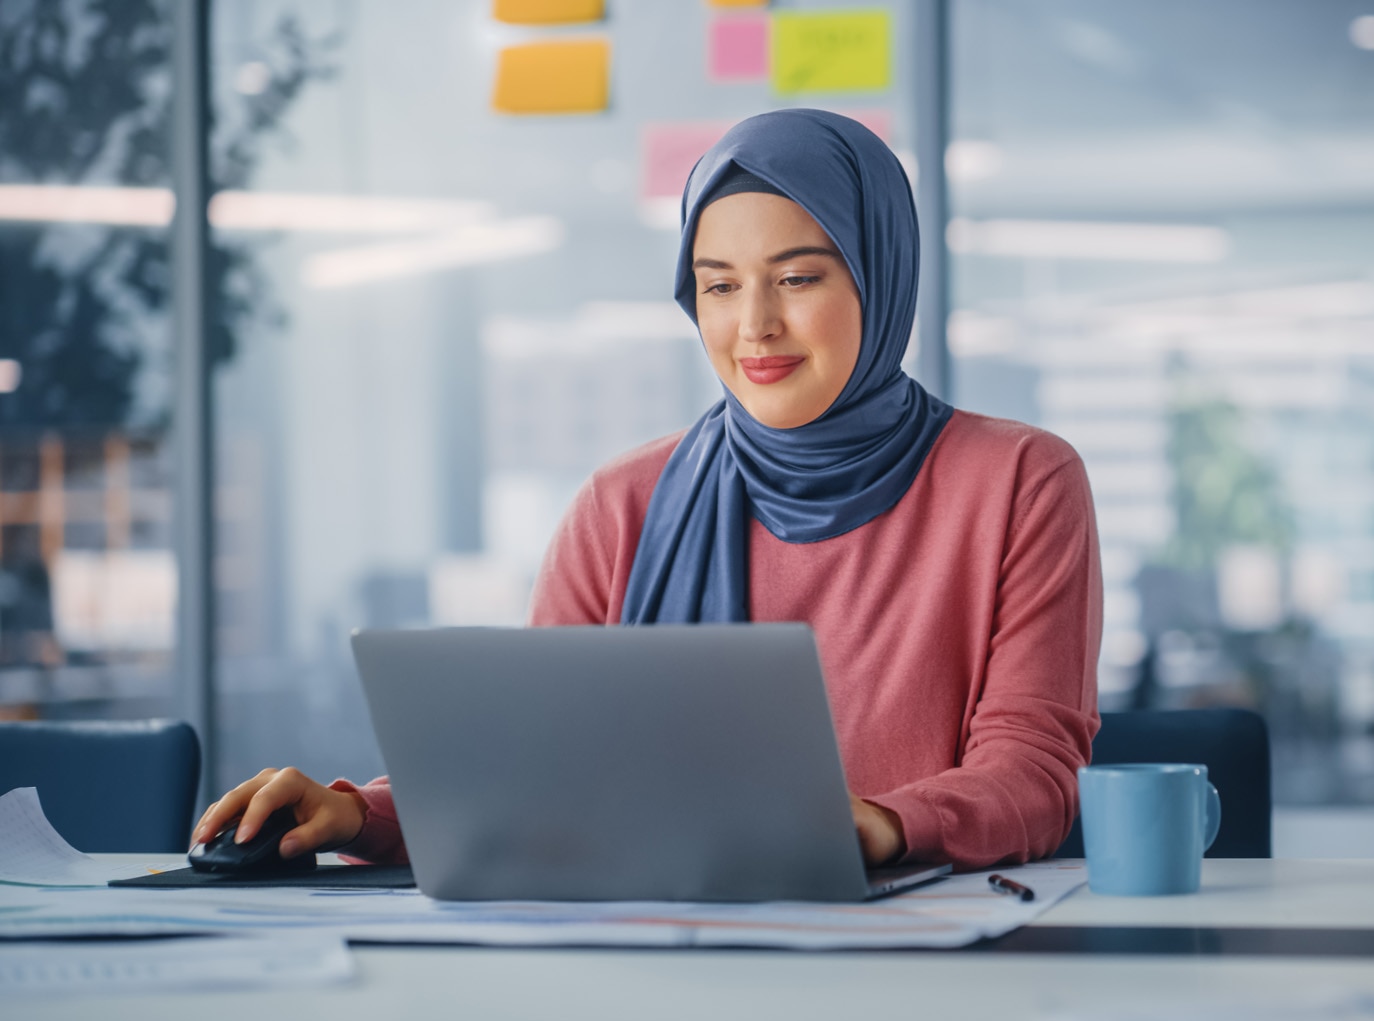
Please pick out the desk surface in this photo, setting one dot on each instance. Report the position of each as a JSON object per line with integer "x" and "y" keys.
{"x": 1251, "y": 895}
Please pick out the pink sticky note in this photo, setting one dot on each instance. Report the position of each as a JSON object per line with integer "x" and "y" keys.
{"x": 877, "y": 121}
{"x": 669, "y": 151}
{"x": 737, "y": 48}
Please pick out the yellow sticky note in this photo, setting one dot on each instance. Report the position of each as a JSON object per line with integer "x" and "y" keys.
{"x": 547, "y": 12}
{"x": 831, "y": 52}
{"x": 571, "y": 76}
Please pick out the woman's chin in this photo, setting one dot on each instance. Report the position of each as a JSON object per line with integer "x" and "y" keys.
{"x": 780, "y": 419}
{"x": 779, "y": 406}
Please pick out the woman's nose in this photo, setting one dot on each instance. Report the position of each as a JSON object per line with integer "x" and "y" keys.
{"x": 759, "y": 316}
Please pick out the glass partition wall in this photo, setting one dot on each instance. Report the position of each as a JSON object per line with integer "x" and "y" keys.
{"x": 431, "y": 319}
{"x": 1162, "y": 242}
{"x": 87, "y": 577}
{"x": 470, "y": 310}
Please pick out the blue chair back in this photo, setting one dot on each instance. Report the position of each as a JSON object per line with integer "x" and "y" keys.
{"x": 108, "y": 786}
{"x": 1234, "y": 746}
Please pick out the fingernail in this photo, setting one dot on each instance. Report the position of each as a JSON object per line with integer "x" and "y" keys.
{"x": 288, "y": 848}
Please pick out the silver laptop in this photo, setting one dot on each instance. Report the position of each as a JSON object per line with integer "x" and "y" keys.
{"x": 669, "y": 762}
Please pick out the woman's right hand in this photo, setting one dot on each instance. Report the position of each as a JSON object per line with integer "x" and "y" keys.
{"x": 325, "y": 818}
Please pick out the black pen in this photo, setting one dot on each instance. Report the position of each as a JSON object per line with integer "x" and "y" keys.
{"x": 1004, "y": 885}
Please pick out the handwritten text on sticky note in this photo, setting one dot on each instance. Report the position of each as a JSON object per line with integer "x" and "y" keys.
{"x": 831, "y": 52}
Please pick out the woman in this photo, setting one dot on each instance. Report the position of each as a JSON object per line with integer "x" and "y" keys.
{"x": 947, "y": 562}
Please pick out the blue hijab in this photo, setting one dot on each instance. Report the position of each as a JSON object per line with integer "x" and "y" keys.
{"x": 846, "y": 467}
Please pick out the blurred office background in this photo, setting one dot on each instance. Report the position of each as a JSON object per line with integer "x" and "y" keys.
{"x": 429, "y": 321}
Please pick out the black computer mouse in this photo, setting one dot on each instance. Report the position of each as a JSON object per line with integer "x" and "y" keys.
{"x": 258, "y": 856}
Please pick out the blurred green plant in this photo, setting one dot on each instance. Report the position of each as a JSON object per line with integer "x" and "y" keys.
{"x": 85, "y": 98}
{"x": 1223, "y": 493}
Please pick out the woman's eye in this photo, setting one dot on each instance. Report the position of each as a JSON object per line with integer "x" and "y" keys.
{"x": 798, "y": 281}
{"x": 717, "y": 289}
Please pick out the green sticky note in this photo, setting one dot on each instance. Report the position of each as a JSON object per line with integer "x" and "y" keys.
{"x": 847, "y": 51}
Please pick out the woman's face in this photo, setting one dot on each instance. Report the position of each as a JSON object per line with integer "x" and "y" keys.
{"x": 777, "y": 307}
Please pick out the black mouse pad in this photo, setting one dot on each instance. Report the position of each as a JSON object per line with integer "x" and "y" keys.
{"x": 331, "y": 876}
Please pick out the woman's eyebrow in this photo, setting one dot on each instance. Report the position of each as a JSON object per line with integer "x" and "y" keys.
{"x": 791, "y": 253}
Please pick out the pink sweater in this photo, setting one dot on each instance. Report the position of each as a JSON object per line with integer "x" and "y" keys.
{"x": 959, "y": 634}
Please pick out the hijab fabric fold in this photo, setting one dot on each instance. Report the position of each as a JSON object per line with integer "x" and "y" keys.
{"x": 855, "y": 461}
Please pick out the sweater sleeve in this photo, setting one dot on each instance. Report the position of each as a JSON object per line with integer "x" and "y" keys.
{"x": 1013, "y": 794}
{"x": 379, "y": 841}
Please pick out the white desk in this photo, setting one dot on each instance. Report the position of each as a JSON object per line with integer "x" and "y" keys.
{"x": 464, "y": 982}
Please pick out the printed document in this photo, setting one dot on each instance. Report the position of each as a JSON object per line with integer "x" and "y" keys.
{"x": 197, "y": 963}
{"x": 950, "y": 912}
{"x": 34, "y": 854}
{"x": 48, "y": 889}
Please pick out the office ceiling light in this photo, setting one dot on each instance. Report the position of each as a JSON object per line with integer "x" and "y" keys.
{"x": 973, "y": 335}
{"x": 252, "y": 78}
{"x": 467, "y": 246}
{"x": 970, "y": 159}
{"x": 1362, "y": 31}
{"x": 661, "y": 213}
{"x": 597, "y": 328}
{"x": 452, "y": 232}
{"x": 11, "y": 372}
{"x": 58, "y": 203}
{"x": 343, "y": 214}
{"x": 239, "y": 210}
{"x": 1065, "y": 239}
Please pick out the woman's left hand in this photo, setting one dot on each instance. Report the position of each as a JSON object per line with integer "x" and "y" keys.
{"x": 879, "y": 829}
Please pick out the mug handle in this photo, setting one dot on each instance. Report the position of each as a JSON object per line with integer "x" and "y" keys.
{"x": 1213, "y": 816}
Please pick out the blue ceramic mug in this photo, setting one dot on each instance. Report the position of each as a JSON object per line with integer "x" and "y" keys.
{"x": 1146, "y": 825}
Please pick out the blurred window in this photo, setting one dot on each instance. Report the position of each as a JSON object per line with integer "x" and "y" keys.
{"x": 431, "y": 321}
{"x": 86, "y": 577}
{"x": 461, "y": 314}
{"x": 1163, "y": 249}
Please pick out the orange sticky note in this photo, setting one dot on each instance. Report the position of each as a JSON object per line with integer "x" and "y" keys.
{"x": 572, "y": 76}
{"x": 738, "y": 3}
{"x": 547, "y": 12}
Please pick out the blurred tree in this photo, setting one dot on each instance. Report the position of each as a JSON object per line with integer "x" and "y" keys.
{"x": 1223, "y": 493}
{"x": 85, "y": 98}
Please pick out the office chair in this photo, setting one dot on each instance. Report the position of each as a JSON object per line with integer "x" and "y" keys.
{"x": 1232, "y": 743}
{"x": 108, "y": 786}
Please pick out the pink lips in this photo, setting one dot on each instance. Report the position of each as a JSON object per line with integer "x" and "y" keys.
{"x": 770, "y": 369}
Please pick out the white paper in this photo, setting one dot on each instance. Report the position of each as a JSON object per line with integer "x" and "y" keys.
{"x": 44, "y": 893}
{"x": 32, "y": 853}
{"x": 950, "y": 912}
{"x": 195, "y": 963}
